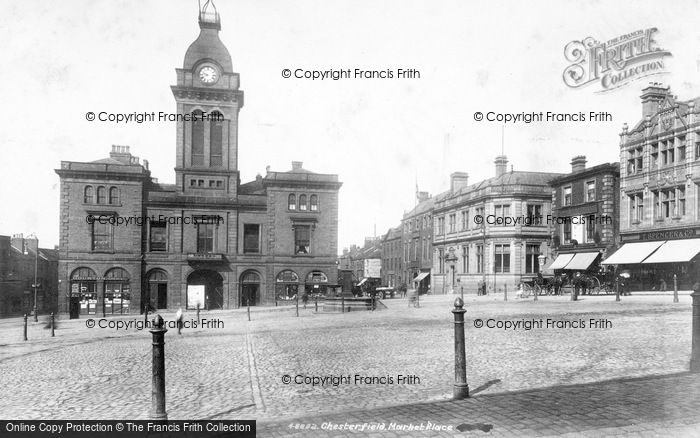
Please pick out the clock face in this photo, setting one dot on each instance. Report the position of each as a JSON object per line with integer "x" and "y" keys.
{"x": 208, "y": 75}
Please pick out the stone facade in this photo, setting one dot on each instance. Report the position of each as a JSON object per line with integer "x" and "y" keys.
{"x": 392, "y": 265}
{"x": 417, "y": 235}
{"x": 128, "y": 242}
{"x": 470, "y": 246}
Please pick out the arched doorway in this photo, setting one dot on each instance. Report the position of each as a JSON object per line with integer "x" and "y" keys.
{"x": 286, "y": 285}
{"x": 250, "y": 288}
{"x": 117, "y": 291}
{"x": 157, "y": 289}
{"x": 205, "y": 288}
{"x": 83, "y": 293}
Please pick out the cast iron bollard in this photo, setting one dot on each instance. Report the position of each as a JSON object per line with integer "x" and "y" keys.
{"x": 534, "y": 289}
{"x": 25, "y": 326}
{"x": 675, "y": 288}
{"x": 297, "y": 304}
{"x": 158, "y": 382}
{"x": 53, "y": 325}
{"x": 198, "y": 314}
{"x": 695, "y": 342}
{"x": 342, "y": 304}
{"x": 316, "y": 304}
{"x": 461, "y": 388}
{"x": 617, "y": 288}
{"x": 505, "y": 292}
{"x": 248, "y": 308}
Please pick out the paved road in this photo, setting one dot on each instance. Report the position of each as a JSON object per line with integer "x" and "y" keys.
{"x": 237, "y": 371}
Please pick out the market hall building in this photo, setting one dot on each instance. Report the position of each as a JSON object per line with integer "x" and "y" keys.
{"x": 210, "y": 240}
{"x": 660, "y": 194}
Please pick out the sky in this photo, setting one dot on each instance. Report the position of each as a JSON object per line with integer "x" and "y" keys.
{"x": 383, "y": 137}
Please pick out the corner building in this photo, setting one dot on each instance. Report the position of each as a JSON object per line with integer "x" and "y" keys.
{"x": 209, "y": 240}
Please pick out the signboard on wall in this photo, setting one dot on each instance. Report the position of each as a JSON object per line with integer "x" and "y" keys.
{"x": 373, "y": 268}
{"x": 195, "y": 295}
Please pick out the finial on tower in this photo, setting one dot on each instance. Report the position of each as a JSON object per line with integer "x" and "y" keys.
{"x": 209, "y": 16}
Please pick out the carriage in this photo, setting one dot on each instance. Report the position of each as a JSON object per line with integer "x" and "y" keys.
{"x": 588, "y": 283}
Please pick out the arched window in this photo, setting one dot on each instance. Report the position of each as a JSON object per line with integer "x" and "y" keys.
{"x": 89, "y": 195}
{"x": 216, "y": 139}
{"x": 250, "y": 277}
{"x": 101, "y": 195}
{"x": 83, "y": 286}
{"x": 302, "y": 202}
{"x": 197, "y": 138}
{"x": 117, "y": 291}
{"x": 157, "y": 276}
{"x": 292, "y": 201}
{"x": 114, "y": 195}
{"x": 287, "y": 276}
{"x": 314, "y": 202}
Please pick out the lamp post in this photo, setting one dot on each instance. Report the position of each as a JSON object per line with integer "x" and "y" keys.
{"x": 35, "y": 285}
{"x": 451, "y": 259}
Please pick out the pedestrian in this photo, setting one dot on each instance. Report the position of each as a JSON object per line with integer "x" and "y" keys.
{"x": 305, "y": 299}
{"x": 662, "y": 285}
{"x": 178, "y": 319}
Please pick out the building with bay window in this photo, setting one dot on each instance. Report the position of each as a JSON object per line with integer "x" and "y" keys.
{"x": 128, "y": 242}
{"x": 660, "y": 193}
{"x": 487, "y": 233}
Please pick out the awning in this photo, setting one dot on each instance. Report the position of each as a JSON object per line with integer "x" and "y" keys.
{"x": 632, "y": 253}
{"x": 362, "y": 282}
{"x": 582, "y": 260}
{"x": 421, "y": 276}
{"x": 561, "y": 261}
{"x": 675, "y": 251}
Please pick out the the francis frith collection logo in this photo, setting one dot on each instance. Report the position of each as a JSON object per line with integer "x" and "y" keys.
{"x": 614, "y": 63}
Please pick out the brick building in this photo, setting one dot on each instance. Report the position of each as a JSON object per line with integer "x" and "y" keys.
{"x": 392, "y": 265}
{"x": 417, "y": 236}
{"x": 209, "y": 240}
{"x": 467, "y": 252}
{"x": 586, "y": 202}
{"x": 660, "y": 192}
{"x": 21, "y": 260}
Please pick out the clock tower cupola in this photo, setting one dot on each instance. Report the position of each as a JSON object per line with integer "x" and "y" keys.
{"x": 208, "y": 102}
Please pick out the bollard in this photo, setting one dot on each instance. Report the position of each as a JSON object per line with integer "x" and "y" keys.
{"x": 53, "y": 325}
{"x": 342, "y": 304}
{"x": 158, "y": 382}
{"x": 25, "y": 326}
{"x": 675, "y": 288}
{"x": 536, "y": 292}
{"x": 316, "y": 304}
{"x": 695, "y": 340}
{"x": 297, "y": 304}
{"x": 249, "y": 309}
{"x": 505, "y": 292}
{"x": 198, "y": 314}
{"x": 617, "y": 288}
{"x": 461, "y": 388}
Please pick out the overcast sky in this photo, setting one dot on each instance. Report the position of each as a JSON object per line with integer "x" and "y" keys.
{"x": 63, "y": 59}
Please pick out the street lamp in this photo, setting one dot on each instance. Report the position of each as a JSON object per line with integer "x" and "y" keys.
{"x": 451, "y": 259}
{"x": 35, "y": 285}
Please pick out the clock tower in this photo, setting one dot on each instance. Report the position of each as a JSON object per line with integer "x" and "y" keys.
{"x": 208, "y": 102}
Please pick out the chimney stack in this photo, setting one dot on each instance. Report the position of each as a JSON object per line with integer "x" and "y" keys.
{"x": 121, "y": 154}
{"x": 296, "y": 165}
{"x": 578, "y": 163}
{"x": 458, "y": 180}
{"x": 501, "y": 162}
{"x": 652, "y": 96}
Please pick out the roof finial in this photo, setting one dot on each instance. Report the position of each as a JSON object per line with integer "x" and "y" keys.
{"x": 208, "y": 15}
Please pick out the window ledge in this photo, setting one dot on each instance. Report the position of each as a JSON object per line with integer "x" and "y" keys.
{"x": 676, "y": 218}
{"x": 636, "y": 222}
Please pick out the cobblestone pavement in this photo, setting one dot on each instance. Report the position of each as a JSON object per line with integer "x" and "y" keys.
{"x": 658, "y": 406}
{"x": 237, "y": 371}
